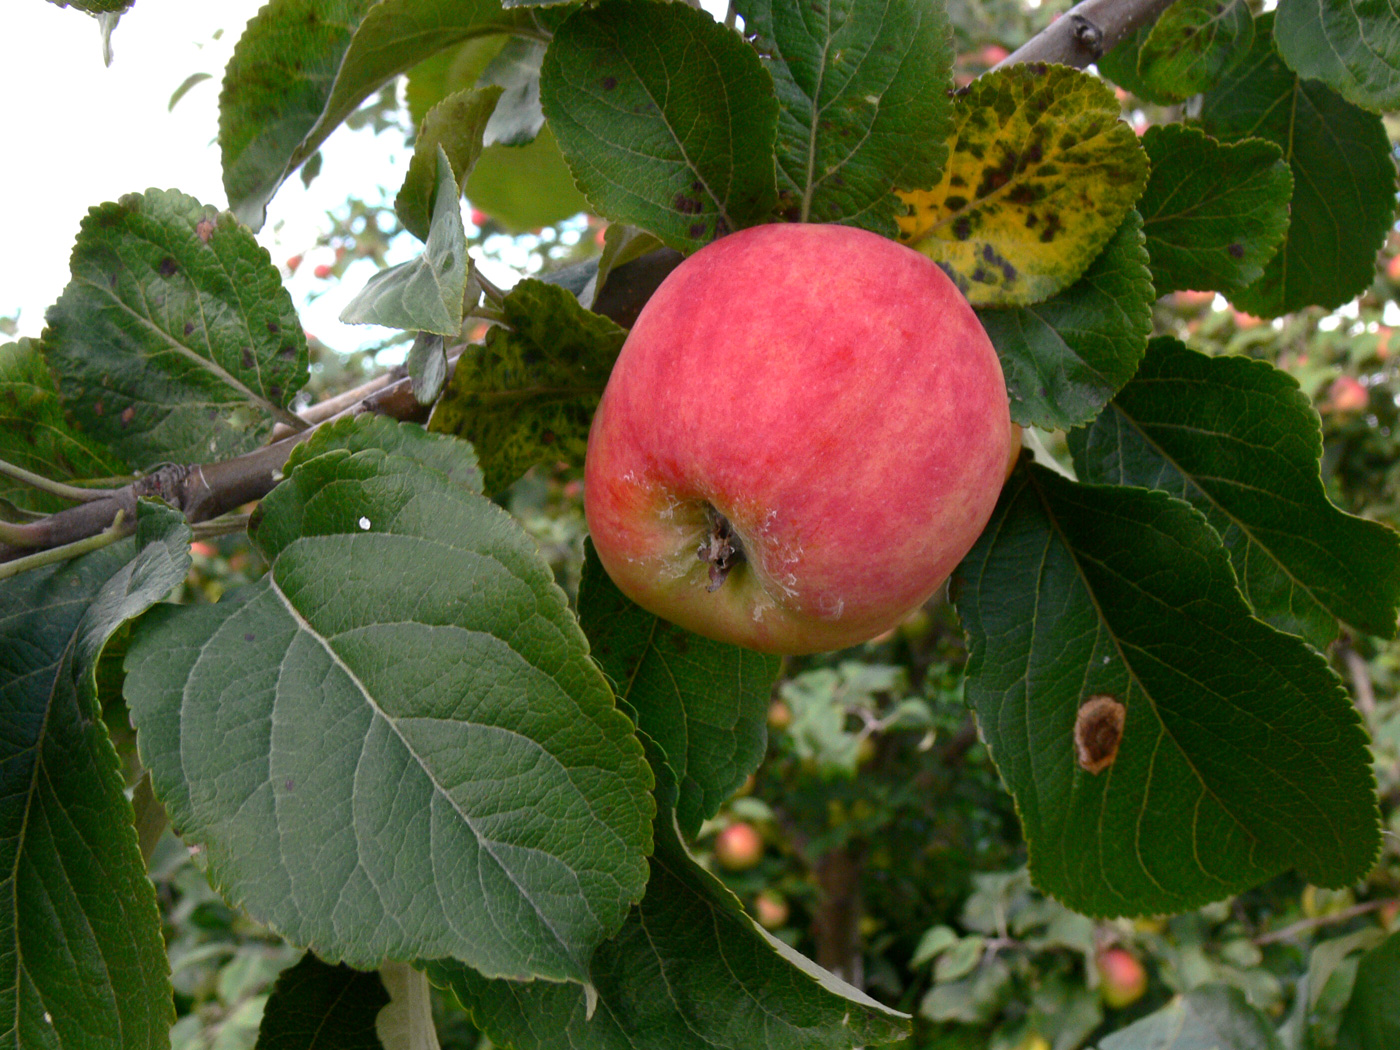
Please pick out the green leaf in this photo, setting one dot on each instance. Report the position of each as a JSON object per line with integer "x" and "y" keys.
{"x": 1192, "y": 45}
{"x": 1343, "y": 179}
{"x": 621, "y": 245}
{"x": 95, "y": 7}
{"x": 1120, "y": 65}
{"x": 427, "y": 367}
{"x": 1371, "y": 1020}
{"x": 315, "y": 1005}
{"x": 82, "y": 961}
{"x": 1209, "y": 1017}
{"x": 688, "y": 971}
{"x": 175, "y": 339}
{"x": 863, "y": 108}
{"x": 423, "y": 294}
{"x": 1042, "y": 173}
{"x": 529, "y": 394}
{"x": 1238, "y": 440}
{"x": 1213, "y": 214}
{"x": 34, "y": 433}
{"x": 454, "y": 125}
{"x": 704, "y": 703}
{"x": 452, "y": 69}
{"x": 407, "y": 1022}
{"x": 666, "y": 117}
{"x": 1241, "y": 755}
{"x": 1352, "y": 46}
{"x": 516, "y": 71}
{"x": 525, "y": 187}
{"x": 274, "y": 89}
{"x": 1064, "y": 358}
{"x": 303, "y": 66}
{"x": 395, "y": 744}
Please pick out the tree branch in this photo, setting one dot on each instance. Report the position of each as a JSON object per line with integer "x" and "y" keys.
{"x": 207, "y": 490}
{"x": 1086, "y": 32}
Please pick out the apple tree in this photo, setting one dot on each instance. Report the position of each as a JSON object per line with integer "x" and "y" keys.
{"x": 408, "y": 751}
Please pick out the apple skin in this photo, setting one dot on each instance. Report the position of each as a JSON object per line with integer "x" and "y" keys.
{"x": 832, "y": 396}
{"x": 1122, "y": 978}
{"x": 738, "y": 847}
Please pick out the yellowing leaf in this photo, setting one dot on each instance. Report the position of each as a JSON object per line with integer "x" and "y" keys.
{"x": 1040, "y": 174}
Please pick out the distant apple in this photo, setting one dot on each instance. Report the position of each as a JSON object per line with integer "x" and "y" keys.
{"x": 1122, "y": 979}
{"x": 806, "y": 430}
{"x": 771, "y": 910}
{"x": 738, "y": 847}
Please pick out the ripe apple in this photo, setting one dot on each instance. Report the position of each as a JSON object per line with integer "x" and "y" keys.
{"x": 738, "y": 847}
{"x": 771, "y": 910}
{"x": 817, "y": 412}
{"x": 1122, "y": 978}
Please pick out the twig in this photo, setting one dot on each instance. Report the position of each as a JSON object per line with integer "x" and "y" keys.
{"x": 118, "y": 530}
{"x": 53, "y": 488}
{"x": 1304, "y": 925}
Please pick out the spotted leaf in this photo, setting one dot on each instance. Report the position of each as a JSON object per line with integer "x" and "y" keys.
{"x": 1041, "y": 172}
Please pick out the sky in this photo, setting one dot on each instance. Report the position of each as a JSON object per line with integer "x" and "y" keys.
{"x": 77, "y": 133}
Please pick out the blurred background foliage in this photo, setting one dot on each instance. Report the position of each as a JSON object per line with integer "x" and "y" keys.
{"x": 876, "y": 837}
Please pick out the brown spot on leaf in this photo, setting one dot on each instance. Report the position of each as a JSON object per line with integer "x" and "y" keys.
{"x": 1236, "y": 250}
{"x": 205, "y": 229}
{"x": 128, "y": 414}
{"x": 273, "y": 327}
{"x": 189, "y": 327}
{"x": 956, "y": 203}
{"x": 1098, "y": 730}
{"x": 167, "y": 267}
{"x": 247, "y": 357}
{"x": 686, "y": 205}
{"x": 962, "y": 228}
{"x": 609, "y": 83}
{"x": 97, "y": 408}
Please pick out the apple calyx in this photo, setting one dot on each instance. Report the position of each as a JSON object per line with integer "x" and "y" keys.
{"x": 721, "y": 548}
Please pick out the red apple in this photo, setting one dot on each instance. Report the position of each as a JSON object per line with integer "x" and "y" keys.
{"x": 771, "y": 910}
{"x": 1122, "y": 978}
{"x": 815, "y": 410}
{"x": 738, "y": 847}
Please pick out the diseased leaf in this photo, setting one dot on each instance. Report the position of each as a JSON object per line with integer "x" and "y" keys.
{"x": 317, "y": 1006}
{"x": 1213, "y": 214}
{"x": 1240, "y": 755}
{"x": 175, "y": 339}
{"x": 1343, "y": 179}
{"x": 1352, "y": 46}
{"x": 863, "y": 109}
{"x": 1064, "y": 358}
{"x": 704, "y": 703}
{"x": 423, "y": 294}
{"x": 1042, "y": 172}
{"x": 530, "y": 392}
{"x": 1192, "y": 45}
{"x": 1213, "y": 1016}
{"x": 35, "y": 435}
{"x": 395, "y": 745}
{"x": 666, "y": 117}
{"x": 1238, "y": 440}
{"x": 77, "y": 902}
{"x": 688, "y": 971}
{"x": 274, "y": 89}
{"x": 455, "y": 125}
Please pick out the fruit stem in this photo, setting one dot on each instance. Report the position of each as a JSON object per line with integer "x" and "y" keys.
{"x": 721, "y": 548}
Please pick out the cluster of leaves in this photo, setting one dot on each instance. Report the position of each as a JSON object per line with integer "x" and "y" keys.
{"x": 403, "y": 743}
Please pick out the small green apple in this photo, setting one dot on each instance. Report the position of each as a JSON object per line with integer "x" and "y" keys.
{"x": 816, "y": 413}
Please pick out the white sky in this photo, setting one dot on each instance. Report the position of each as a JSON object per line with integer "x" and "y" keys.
{"x": 77, "y": 133}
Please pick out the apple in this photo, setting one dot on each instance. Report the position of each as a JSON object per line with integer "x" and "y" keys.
{"x": 771, "y": 910}
{"x": 738, "y": 847}
{"x": 1122, "y": 978}
{"x": 816, "y": 412}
